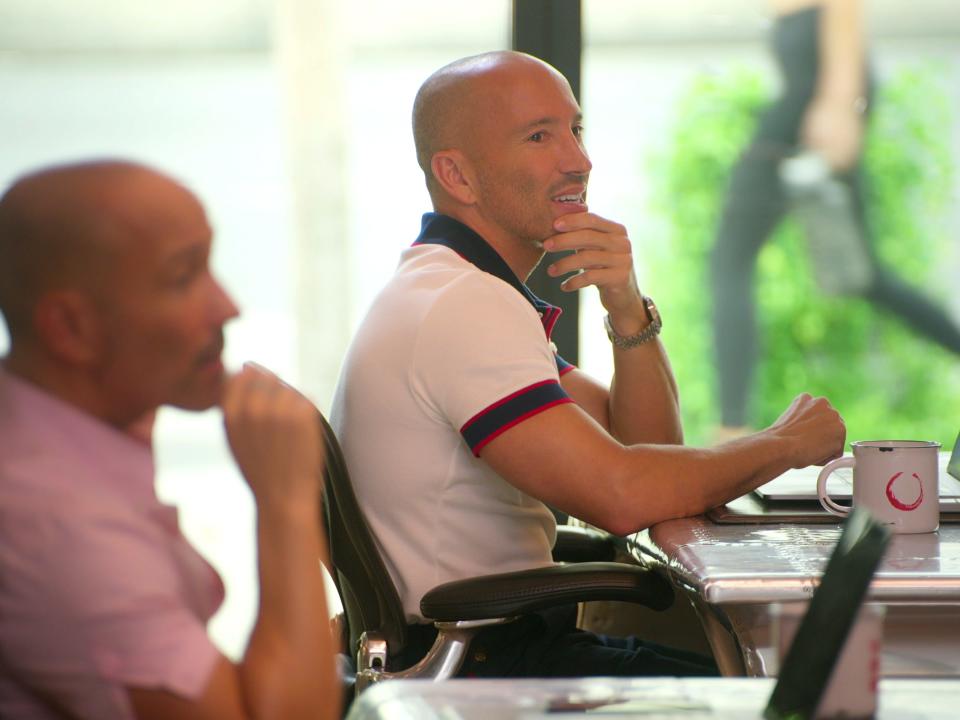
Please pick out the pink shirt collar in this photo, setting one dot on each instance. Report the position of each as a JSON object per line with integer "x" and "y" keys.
{"x": 37, "y": 427}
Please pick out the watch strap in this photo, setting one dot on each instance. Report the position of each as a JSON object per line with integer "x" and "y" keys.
{"x": 626, "y": 342}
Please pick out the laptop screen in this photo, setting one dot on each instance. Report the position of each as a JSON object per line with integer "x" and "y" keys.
{"x": 953, "y": 466}
{"x": 823, "y": 630}
{"x": 800, "y": 485}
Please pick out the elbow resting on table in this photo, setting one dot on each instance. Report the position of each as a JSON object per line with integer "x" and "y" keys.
{"x": 622, "y": 510}
{"x": 643, "y": 490}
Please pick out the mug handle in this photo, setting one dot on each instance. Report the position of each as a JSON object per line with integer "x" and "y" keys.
{"x": 828, "y": 504}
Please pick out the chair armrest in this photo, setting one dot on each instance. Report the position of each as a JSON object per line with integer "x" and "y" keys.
{"x": 580, "y": 544}
{"x": 526, "y": 591}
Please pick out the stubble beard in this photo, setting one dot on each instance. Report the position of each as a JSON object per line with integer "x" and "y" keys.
{"x": 515, "y": 216}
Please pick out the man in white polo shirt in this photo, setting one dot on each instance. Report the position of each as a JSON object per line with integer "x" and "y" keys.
{"x": 459, "y": 421}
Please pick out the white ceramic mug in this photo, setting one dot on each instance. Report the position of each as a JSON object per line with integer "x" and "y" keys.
{"x": 852, "y": 689}
{"x": 896, "y": 480}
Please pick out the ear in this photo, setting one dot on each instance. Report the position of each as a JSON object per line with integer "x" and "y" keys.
{"x": 453, "y": 173}
{"x": 68, "y": 324}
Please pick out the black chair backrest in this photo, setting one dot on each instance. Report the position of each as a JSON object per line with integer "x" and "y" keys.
{"x": 370, "y": 600}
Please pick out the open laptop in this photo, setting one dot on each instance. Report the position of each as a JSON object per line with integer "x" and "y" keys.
{"x": 806, "y": 670}
{"x": 800, "y": 485}
{"x": 953, "y": 465}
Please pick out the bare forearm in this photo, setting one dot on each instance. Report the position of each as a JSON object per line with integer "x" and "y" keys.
{"x": 641, "y": 404}
{"x": 841, "y": 51}
{"x": 691, "y": 481}
{"x": 647, "y": 484}
{"x": 584, "y": 471}
{"x": 289, "y": 668}
{"x": 677, "y": 482}
{"x": 644, "y": 403}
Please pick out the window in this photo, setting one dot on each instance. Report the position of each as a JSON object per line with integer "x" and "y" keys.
{"x": 671, "y": 95}
{"x": 290, "y": 120}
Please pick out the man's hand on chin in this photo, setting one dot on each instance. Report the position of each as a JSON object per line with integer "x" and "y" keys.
{"x": 603, "y": 257}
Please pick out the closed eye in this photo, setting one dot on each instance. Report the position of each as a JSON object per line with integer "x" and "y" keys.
{"x": 184, "y": 277}
{"x": 185, "y": 267}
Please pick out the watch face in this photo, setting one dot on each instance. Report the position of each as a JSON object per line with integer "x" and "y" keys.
{"x": 652, "y": 311}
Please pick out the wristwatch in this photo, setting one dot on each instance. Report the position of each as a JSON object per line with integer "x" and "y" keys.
{"x": 645, "y": 335}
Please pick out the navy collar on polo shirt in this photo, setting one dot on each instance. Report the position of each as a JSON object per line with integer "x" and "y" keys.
{"x": 437, "y": 229}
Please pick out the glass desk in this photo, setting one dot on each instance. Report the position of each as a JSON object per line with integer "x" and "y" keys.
{"x": 727, "y": 698}
{"x": 731, "y": 574}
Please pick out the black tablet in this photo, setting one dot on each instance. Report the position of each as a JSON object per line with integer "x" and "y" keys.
{"x": 805, "y": 671}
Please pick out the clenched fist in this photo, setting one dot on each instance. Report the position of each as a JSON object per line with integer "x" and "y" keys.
{"x": 274, "y": 434}
{"x": 813, "y": 429}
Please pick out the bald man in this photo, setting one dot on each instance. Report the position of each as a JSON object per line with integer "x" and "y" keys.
{"x": 112, "y": 312}
{"x": 460, "y": 423}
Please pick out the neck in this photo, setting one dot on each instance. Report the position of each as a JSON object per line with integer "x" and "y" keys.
{"x": 66, "y": 382}
{"x": 522, "y": 256}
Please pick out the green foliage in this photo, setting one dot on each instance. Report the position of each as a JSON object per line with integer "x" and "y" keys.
{"x": 885, "y": 379}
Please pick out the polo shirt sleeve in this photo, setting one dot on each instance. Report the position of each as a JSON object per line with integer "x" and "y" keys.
{"x": 86, "y": 611}
{"x": 483, "y": 362}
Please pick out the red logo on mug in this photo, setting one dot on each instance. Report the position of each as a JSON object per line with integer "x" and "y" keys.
{"x": 899, "y": 504}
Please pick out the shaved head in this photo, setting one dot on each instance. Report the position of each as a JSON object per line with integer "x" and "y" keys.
{"x": 106, "y": 288}
{"x": 454, "y": 99}
{"x": 499, "y": 138}
{"x": 63, "y": 227}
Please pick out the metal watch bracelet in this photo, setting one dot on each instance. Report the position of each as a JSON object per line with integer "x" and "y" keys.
{"x": 645, "y": 335}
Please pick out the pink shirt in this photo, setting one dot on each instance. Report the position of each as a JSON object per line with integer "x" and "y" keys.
{"x": 98, "y": 588}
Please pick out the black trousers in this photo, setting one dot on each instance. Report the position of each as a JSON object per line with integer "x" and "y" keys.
{"x": 548, "y": 644}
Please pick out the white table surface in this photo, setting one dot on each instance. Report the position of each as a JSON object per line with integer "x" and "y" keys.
{"x": 768, "y": 563}
{"x": 732, "y": 573}
{"x": 648, "y": 698}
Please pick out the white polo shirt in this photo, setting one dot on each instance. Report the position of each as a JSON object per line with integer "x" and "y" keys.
{"x": 454, "y": 351}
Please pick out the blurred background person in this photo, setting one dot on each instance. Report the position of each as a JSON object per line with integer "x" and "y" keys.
{"x": 821, "y": 113}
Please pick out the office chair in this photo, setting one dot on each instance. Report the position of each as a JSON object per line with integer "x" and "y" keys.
{"x": 375, "y": 624}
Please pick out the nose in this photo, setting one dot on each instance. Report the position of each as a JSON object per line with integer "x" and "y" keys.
{"x": 575, "y": 160}
{"x": 222, "y": 307}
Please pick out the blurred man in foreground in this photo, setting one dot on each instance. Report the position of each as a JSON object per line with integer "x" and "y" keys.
{"x": 113, "y": 311}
